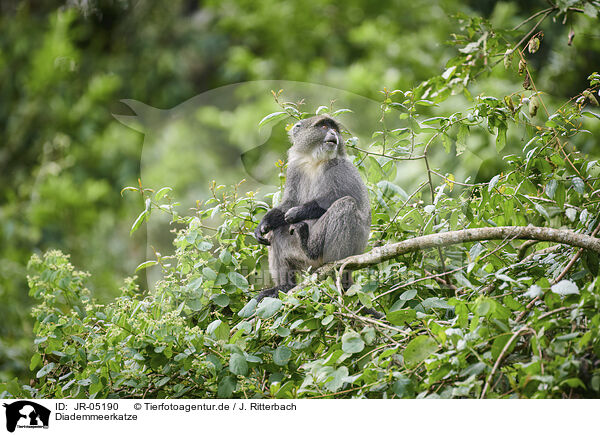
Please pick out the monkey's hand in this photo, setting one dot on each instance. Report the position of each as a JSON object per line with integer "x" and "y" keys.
{"x": 260, "y": 232}
{"x": 273, "y": 219}
{"x": 294, "y": 214}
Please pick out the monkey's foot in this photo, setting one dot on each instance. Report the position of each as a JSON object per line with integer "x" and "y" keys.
{"x": 301, "y": 228}
{"x": 273, "y": 292}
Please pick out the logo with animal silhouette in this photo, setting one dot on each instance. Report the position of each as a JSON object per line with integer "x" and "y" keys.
{"x": 24, "y": 414}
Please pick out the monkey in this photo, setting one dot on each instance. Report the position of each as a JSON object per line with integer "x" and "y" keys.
{"x": 324, "y": 214}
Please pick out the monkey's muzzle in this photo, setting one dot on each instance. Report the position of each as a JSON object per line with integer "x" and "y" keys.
{"x": 331, "y": 137}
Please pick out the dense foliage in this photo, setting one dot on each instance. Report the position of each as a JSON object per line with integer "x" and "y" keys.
{"x": 486, "y": 319}
{"x": 64, "y": 66}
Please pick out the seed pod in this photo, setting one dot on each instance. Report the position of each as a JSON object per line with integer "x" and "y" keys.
{"x": 507, "y": 58}
{"x": 533, "y": 106}
{"x": 509, "y": 103}
{"x": 522, "y": 66}
{"x": 534, "y": 44}
{"x": 590, "y": 97}
{"x": 571, "y": 36}
{"x": 527, "y": 82}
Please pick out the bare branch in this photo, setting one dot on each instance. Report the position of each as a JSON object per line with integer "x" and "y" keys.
{"x": 393, "y": 250}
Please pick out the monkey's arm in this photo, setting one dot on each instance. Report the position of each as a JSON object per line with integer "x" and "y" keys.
{"x": 309, "y": 210}
{"x": 276, "y": 216}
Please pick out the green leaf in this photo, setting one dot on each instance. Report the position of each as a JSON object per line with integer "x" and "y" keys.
{"x": 194, "y": 284}
{"x": 493, "y": 182}
{"x": 162, "y": 381}
{"x": 135, "y": 189}
{"x": 146, "y": 264}
{"x": 45, "y": 370}
{"x": 214, "y": 360}
{"x": 461, "y": 138}
{"x": 219, "y": 329}
{"x": 210, "y": 274}
{"x": 36, "y": 360}
{"x": 268, "y": 307}
{"x": 434, "y": 120}
{"x": 95, "y": 388}
{"x": 470, "y": 47}
{"x": 369, "y": 335}
{"x": 435, "y": 302}
{"x": 204, "y": 245}
{"x": 551, "y": 188}
{"x": 418, "y": 350}
{"x": 249, "y": 309}
{"x": 161, "y": 193}
{"x": 352, "y": 342}
{"x": 534, "y": 291}
{"x": 565, "y": 287}
{"x": 408, "y": 295}
{"x": 401, "y": 317}
{"x": 403, "y": 387}
{"x": 414, "y": 125}
{"x": 221, "y": 300}
{"x": 590, "y": 115}
{"x": 337, "y": 380}
{"x": 238, "y": 280}
{"x": 483, "y": 306}
{"x": 590, "y": 10}
{"x": 578, "y": 185}
{"x": 390, "y": 190}
{"x": 282, "y": 355}
{"x": 365, "y": 299}
{"x": 499, "y": 344}
{"x": 221, "y": 279}
{"x": 226, "y": 387}
{"x": 272, "y": 117}
{"x": 591, "y": 262}
{"x": 327, "y": 320}
{"x": 341, "y": 112}
{"x": 541, "y": 210}
{"x": 138, "y": 222}
{"x": 560, "y": 195}
{"x": 501, "y": 138}
{"x": 225, "y": 256}
{"x": 238, "y": 364}
{"x": 473, "y": 369}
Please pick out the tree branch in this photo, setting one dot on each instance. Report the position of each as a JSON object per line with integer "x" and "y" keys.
{"x": 393, "y": 250}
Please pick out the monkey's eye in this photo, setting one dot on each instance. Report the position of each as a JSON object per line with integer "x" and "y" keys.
{"x": 296, "y": 126}
{"x": 325, "y": 127}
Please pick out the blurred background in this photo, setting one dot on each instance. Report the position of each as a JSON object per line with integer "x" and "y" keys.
{"x": 68, "y": 144}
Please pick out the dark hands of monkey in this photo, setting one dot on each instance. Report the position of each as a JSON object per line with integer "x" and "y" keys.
{"x": 324, "y": 214}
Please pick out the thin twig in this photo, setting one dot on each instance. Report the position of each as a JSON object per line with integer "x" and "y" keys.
{"x": 373, "y": 321}
{"x": 500, "y": 357}
{"x": 576, "y": 257}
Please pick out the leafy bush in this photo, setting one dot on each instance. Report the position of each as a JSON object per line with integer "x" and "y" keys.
{"x": 480, "y": 319}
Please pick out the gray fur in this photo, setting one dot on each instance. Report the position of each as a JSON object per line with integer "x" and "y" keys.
{"x": 324, "y": 214}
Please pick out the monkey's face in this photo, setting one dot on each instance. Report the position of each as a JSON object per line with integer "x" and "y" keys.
{"x": 317, "y": 137}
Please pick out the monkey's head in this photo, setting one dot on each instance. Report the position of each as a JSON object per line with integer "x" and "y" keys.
{"x": 317, "y": 138}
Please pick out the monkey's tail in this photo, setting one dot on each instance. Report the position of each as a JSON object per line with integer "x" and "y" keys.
{"x": 372, "y": 312}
